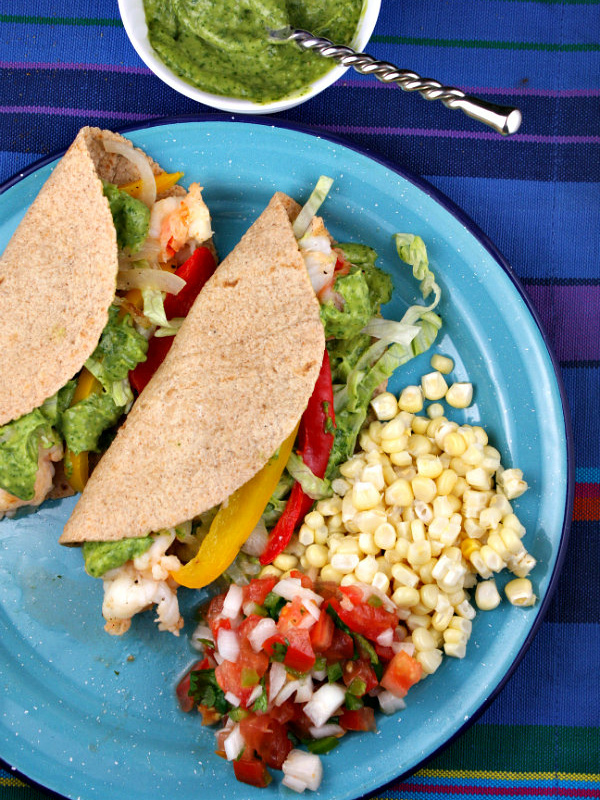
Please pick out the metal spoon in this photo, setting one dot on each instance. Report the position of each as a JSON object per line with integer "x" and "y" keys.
{"x": 503, "y": 119}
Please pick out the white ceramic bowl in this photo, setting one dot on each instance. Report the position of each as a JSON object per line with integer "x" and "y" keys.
{"x": 134, "y": 21}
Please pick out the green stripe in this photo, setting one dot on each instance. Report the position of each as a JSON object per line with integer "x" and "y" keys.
{"x": 87, "y": 21}
{"x": 522, "y": 748}
{"x": 489, "y": 44}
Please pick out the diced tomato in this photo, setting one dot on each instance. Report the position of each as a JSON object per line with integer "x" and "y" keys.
{"x": 294, "y": 615}
{"x": 269, "y": 644}
{"x": 232, "y": 677}
{"x": 252, "y": 771}
{"x": 247, "y": 626}
{"x": 362, "y": 670}
{"x": 299, "y": 655}
{"x": 268, "y": 737}
{"x": 353, "y": 592}
{"x": 401, "y": 673}
{"x": 321, "y": 634}
{"x": 385, "y": 653}
{"x": 370, "y": 621}
{"x": 258, "y": 589}
{"x": 341, "y": 648}
{"x": 186, "y": 703}
{"x": 285, "y": 712}
{"x": 362, "y": 719}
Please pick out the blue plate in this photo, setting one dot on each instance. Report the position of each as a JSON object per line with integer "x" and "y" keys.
{"x": 93, "y": 716}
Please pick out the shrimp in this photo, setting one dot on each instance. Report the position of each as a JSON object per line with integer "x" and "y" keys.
{"x": 141, "y": 583}
{"x": 43, "y": 482}
{"x": 179, "y": 221}
{"x": 319, "y": 257}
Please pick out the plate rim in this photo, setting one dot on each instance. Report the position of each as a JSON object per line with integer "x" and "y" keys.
{"x": 473, "y": 228}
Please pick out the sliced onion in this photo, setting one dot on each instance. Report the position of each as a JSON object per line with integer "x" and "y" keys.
{"x": 254, "y": 695}
{"x": 149, "y": 251}
{"x": 287, "y": 691}
{"x": 329, "y": 729}
{"x": 149, "y": 279}
{"x": 312, "y": 608}
{"x": 233, "y": 601}
{"x": 305, "y": 690}
{"x": 277, "y": 679}
{"x": 228, "y": 645}
{"x": 263, "y": 630}
{"x": 386, "y": 637}
{"x": 233, "y": 699}
{"x": 234, "y": 744}
{"x": 289, "y": 588}
{"x": 140, "y": 162}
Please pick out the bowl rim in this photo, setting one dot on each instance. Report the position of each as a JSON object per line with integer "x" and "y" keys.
{"x": 134, "y": 22}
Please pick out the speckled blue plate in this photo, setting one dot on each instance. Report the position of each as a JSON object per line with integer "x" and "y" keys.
{"x": 91, "y": 716}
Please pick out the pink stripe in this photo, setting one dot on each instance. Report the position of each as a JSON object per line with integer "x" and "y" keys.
{"x": 76, "y": 112}
{"x": 522, "y": 91}
{"x": 580, "y": 340}
{"x": 88, "y": 67}
{"x": 516, "y": 137}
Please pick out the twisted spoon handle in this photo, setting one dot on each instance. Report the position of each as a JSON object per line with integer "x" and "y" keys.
{"x": 504, "y": 119}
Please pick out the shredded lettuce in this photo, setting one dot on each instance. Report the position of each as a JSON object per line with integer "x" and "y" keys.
{"x": 315, "y": 488}
{"x": 312, "y": 205}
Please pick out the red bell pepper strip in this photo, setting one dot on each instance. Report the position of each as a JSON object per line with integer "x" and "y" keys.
{"x": 195, "y": 272}
{"x": 315, "y": 440}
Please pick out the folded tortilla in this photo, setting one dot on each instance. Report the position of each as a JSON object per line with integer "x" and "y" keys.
{"x": 233, "y": 386}
{"x": 58, "y": 275}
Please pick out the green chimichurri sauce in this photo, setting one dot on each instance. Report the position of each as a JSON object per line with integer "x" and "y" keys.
{"x": 221, "y": 46}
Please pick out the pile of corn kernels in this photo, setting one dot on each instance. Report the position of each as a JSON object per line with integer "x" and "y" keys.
{"x": 422, "y": 513}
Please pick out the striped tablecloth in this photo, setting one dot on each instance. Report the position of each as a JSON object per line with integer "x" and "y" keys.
{"x": 67, "y": 64}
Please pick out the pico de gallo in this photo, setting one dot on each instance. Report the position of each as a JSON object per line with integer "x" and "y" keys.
{"x": 289, "y": 664}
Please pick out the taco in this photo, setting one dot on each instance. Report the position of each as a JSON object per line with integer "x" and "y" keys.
{"x": 82, "y": 284}
{"x": 204, "y": 465}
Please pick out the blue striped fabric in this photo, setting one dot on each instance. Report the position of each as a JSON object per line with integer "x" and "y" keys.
{"x": 66, "y": 64}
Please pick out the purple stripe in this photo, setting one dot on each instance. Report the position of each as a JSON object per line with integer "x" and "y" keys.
{"x": 88, "y": 67}
{"x": 571, "y": 316}
{"x": 76, "y": 112}
{"x": 372, "y": 83}
{"x": 516, "y": 137}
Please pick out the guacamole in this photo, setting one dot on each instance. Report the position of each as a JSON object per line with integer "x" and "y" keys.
{"x": 222, "y": 47}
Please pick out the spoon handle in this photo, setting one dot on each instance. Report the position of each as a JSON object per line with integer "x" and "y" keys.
{"x": 503, "y": 119}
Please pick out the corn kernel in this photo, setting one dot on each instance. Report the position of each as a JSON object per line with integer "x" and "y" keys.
{"x": 269, "y": 572}
{"x": 405, "y": 597}
{"x": 522, "y": 564}
{"x": 422, "y": 639}
{"x": 490, "y": 518}
{"x": 429, "y": 466}
{"x": 364, "y": 496}
{"x": 487, "y": 596}
{"x": 399, "y": 493}
{"x": 418, "y": 445}
{"x": 383, "y": 565}
{"x": 329, "y": 574}
{"x": 473, "y": 455}
{"x": 454, "y": 636}
{"x": 510, "y": 482}
{"x": 367, "y": 444}
{"x": 434, "y": 411}
{"x": 369, "y": 521}
{"x": 344, "y": 562}
{"x": 411, "y": 399}
{"x": 520, "y": 592}
{"x": 314, "y": 519}
{"x": 329, "y": 506}
{"x": 414, "y": 621}
{"x": 334, "y": 524}
{"x": 512, "y": 521}
{"x": 478, "y": 478}
{"x": 501, "y": 502}
{"x": 430, "y": 660}
{"x": 455, "y": 649}
{"x": 385, "y": 406}
{"x": 454, "y": 444}
{"x": 340, "y": 486}
{"x": 285, "y": 562}
{"x": 385, "y": 536}
{"x": 381, "y": 581}
{"x": 495, "y": 541}
{"x": 366, "y": 543}
{"x": 352, "y": 468}
{"x": 401, "y": 458}
{"x": 420, "y": 425}
{"x": 462, "y": 624}
{"x": 434, "y": 385}
{"x": 429, "y": 596}
{"x": 423, "y": 488}
{"x": 405, "y": 576}
{"x": 465, "y": 609}
{"x": 441, "y": 619}
{"x": 322, "y": 532}
{"x": 425, "y": 572}
{"x": 419, "y": 553}
{"x": 446, "y": 481}
{"x": 373, "y": 473}
{"x": 349, "y": 546}
{"x": 442, "y": 364}
{"x": 469, "y": 546}
{"x": 423, "y": 511}
{"x": 317, "y": 555}
{"x": 366, "y": 569}
{"x": 491, "y": 558}
{"x": 459, "y": 395}
{"x": 306, "y": 535}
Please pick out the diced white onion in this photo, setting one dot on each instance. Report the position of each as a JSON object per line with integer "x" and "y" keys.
{"x": 201, "y": 632}
{"x": 294, "y": 784}
{"x": 158, "y": 279}
{"x": 287, "y": 691}
{"x": 312, "y": 608}
{"x": 277, "y": 679}
{"x": 289, "y": 588}
{"x": 389, "y": 703}
{"x": 228, "y": 645}
{"x": 305, "y": 690}
{"x": 386, "y": 637}
{"x": 234, "y": 743}
{"x": 303, "y": 767}
{"x": 233, "y": 699}
{"x": 254, "y": 695}
{"x": 407, "y": 647}
{"x": 319, "y": 674}
{"x": 140, "y": 162}
{"x": 324, "y": 703}
{"x": 325, "y": 730}
{"x": 233, "y": 601}
{"x": 264, "y": 629}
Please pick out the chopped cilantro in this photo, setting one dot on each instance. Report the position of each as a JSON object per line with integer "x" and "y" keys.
{"x": 205, "y": 690}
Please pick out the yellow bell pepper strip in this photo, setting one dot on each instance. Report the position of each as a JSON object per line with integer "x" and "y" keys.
{"x": 164, "y": 181}
{"x": 76, "y": 464}
{"x": 234, "y": 522}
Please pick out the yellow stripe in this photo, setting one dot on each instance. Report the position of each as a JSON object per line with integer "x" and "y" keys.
{"x": 508, "y": 776}
{"x": 11, "y": 782}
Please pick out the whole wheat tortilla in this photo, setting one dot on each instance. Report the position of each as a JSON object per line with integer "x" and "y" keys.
{"x": 58, "y": 275}
{"x": 233, "y": 386}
